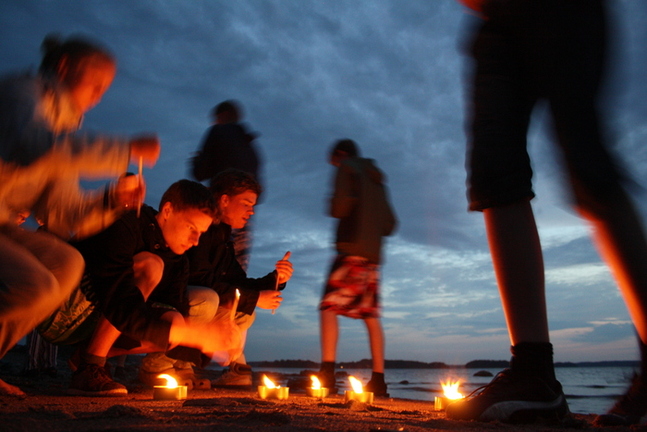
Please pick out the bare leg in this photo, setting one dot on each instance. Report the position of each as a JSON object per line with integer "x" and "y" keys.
{"x": 519, "y": 268}
{"x": 620, "y": 238}
{"x": 329, "y": 330}
{"x": 376, "y": 342}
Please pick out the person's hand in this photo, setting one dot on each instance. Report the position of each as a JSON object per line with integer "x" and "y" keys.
{"x": 128, "y": 192}
{"x": 224, "y": 342}
{"x": 284, "y": 269}
{"x": 269, "y": 299}
{"x": 145, "y": 147}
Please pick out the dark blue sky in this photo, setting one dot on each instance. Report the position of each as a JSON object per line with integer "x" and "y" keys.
{"x": 388, "y": 74}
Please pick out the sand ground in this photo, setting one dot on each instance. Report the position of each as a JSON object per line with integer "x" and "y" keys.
{"x": 47, "y": 408}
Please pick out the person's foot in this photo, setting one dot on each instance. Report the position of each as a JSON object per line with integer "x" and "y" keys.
{"x": 629, "y": 410}
{"x": 94, "y": 380}
{"x": 7, "y": 389}
{"x": 512, "y": 398}
{"x": 238, "y": 375}
{"x": 328, "y": 380}
{"x": 378, "y": 387}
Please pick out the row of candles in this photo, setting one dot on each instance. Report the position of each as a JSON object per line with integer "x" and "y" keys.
{"x": 269, "y": 390}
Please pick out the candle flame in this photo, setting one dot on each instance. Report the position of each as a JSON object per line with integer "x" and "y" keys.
{"x": 356, "y": 384}
{"x": 170, "y": 381}
{"x": 268, "y": 382}
{"x": 316, "y": 384}
{"x": 450, "y": 389}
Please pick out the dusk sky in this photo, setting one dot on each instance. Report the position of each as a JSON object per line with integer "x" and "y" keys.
{"x": 389, "y": 74}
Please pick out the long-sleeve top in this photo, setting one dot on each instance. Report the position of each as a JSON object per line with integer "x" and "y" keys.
{"x": 109, "y": 265}
{"x": 361, "y": 204}
{"x": 226, "y": 146}
{"x": 213, "y": 264}
{"x": 42, "y": 159}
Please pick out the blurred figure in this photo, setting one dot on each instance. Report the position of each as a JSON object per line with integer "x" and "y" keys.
{"x": 228, "y": 144}
{"x": 365, "y": 215}
{"x": 552, "y": 50}
{"x": 41, "y": 161}
{"x": 215, "y": 272}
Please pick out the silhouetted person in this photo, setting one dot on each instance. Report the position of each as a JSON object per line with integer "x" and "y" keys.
{"x": 361, "y": 204}
{"x": 228, "y": 144}
{"x": 552, "y": 50}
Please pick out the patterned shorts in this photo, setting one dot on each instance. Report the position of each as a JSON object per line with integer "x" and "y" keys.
{"x": 74, "y": 321}
{"x": 352, "y": 288}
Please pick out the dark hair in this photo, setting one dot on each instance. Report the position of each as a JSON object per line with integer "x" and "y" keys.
{"x": 229, "y": 106}
{"x": 346, "y": 146}
{"x": 233, "y": 182}
{"x": 187, "y": 194}
{"x": 75, "y": 49}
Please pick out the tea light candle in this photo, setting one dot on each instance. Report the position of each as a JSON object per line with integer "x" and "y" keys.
{"x": 280, "y": 393}
{"x": 440, "y": 403}
{"x": 272, "y": 391}
{"x": 316, "y": 390}
{"x": 170, "y": 391}
{"x": 358, "y": 394}
{"x": 364, "y": 397}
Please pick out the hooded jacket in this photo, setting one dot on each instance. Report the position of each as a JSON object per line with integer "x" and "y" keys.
{"x": 361, "y": 204}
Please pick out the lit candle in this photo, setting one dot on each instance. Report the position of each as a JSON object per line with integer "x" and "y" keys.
{"x": 316, "y": 390}
{"x": 358, "y": 394}
{"x": 170, "y": 391}
{"x": 235, "y": 305}
{"x": 450, "y": 394}
{"x": 272, "y": 391}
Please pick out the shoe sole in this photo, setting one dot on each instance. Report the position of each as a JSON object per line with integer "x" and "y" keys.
{"x": 525, "y": 411}
{"x": 115, "y": 392}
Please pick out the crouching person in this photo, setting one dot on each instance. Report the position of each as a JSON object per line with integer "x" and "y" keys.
{"x": 214, "y": 266}
{"x": 133, "y": 296}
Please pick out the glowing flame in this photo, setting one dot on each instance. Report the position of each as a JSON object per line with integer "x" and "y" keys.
{"x": 268, "y": 382}
{"x": 170, "y": 381}
{"x": 356, "y": 384}
{"x": 316, "y": 384}
{"x": 450, "y": 389}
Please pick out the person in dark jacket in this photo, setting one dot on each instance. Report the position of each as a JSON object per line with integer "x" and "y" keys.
{"x": 365, "y": 216}
{"x": 134, "y": 290}
{"x": 228, "y": 144}
{"x": 213, "y": 265}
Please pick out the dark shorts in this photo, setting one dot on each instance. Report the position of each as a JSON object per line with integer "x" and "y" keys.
{"x": 525, "y": 52}
{"x": 352, "y": 289}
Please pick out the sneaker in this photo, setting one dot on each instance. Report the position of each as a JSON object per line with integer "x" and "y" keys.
{"x": 94, "y": 380}
{"x": 629, "y": 410}
{"x": 379, "y": 388}
{"x": 238, "y": 375}
{"x": 511, "y": 398}
{"x": 155, "y": 364}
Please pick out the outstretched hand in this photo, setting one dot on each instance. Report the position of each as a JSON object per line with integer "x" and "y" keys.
{"x": 284, "y": 268}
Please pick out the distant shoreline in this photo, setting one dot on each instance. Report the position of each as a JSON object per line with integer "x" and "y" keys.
{"x": 412, "y": 364}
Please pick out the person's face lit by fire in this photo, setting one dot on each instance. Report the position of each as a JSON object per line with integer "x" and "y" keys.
{"x": 236, "y": 210}
{"x": 182, "y": 228}
{"x": 88, "y": 80}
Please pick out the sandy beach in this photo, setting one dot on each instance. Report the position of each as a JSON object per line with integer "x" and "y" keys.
{"x": 48, "y": 408}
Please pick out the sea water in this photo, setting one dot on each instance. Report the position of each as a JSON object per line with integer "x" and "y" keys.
{"x": 588, "y": 390}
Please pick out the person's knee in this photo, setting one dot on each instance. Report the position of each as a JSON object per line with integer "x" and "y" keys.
{"x": 203, "y": 303}
{"x": 148, "y": 269}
